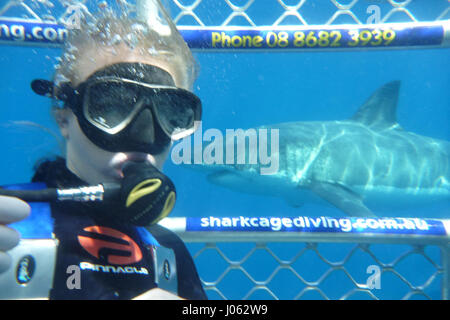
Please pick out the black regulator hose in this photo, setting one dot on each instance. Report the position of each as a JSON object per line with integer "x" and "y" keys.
{"x": 144, "y": 197}
{"x": 44, "y": 195}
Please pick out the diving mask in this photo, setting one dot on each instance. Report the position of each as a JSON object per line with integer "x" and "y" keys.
{"x": 130, "y": 107}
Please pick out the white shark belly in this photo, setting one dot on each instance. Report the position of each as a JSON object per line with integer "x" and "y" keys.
{"x": 376, "y": 197}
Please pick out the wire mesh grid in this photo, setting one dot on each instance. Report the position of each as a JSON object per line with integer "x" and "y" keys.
{"x": 249, "y": 12}
{"x": 307, "y": 12}
{"x": 267, "y": 270}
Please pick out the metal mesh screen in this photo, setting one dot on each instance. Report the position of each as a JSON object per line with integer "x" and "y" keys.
{"x": 250, "y": 12}
{"x": 281, "y": 270}
{"x": 308, "y": 12}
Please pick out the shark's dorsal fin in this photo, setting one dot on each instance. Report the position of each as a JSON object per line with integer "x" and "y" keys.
{"x": 380, "y": 109}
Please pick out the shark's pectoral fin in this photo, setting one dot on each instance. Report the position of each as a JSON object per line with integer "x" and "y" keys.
{"x": 341, "y": 197}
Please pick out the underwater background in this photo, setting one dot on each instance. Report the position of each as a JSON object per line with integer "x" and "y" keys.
{"x": 246, "y": 90}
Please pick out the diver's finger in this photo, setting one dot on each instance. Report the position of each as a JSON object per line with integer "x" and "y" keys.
{"x": 9, "y": 238}
{"x": 5, "y": 261}
{"x": 157, "y": 294}
{"x": 13, "y": 209}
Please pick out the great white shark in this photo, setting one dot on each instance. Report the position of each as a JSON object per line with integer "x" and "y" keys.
{"x": 360, "y": 164}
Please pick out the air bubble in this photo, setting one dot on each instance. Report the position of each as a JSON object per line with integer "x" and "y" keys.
{"x": 116, "y": 40}
{"x": 139, "y": 28}
{"x": 102, "y": 4}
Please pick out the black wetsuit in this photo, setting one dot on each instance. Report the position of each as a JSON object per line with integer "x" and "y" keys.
{"x": 116, "y": 258}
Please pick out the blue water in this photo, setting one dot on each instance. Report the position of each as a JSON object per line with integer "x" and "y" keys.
{"x": 246, "y": 90}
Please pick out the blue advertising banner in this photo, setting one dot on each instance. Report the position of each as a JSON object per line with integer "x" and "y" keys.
{"x": 334, "y": 37}
{"x": 397, "y": 226}
{"x": 17, "y": 31}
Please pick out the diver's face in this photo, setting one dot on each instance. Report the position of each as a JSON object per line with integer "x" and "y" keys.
{"x": 88, "y": 161}
{"x": 95, "y": 165}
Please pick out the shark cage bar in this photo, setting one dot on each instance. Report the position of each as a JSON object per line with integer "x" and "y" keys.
{"x": 326, "y": 37}
{"x": 209, "y": 237}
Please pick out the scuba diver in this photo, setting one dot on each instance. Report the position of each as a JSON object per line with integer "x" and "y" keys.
{"x": 122, "y": 94}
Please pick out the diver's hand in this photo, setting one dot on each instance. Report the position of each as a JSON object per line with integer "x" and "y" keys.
{"x": 11, "y": 210}
{"x": 157, "y": 294}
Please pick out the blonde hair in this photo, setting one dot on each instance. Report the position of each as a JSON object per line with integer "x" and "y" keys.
{"x": 112, "y": 39}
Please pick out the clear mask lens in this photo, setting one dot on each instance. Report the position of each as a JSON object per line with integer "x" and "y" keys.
{"x": 173, "y": 112}
{"x": 108, "y": 105}
{"x": 111, "y": 105}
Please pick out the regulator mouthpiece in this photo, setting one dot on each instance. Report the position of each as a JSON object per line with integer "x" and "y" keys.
{"x": 147, "y": 195}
